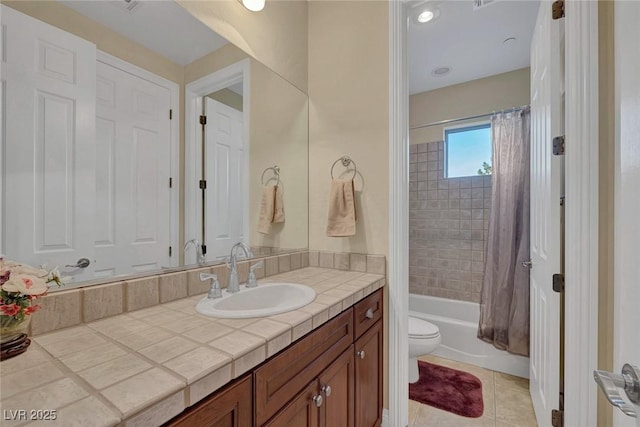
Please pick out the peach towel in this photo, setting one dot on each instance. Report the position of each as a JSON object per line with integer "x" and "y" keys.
{"x": 271, "y": 208}
{"x": 342, "y": 209}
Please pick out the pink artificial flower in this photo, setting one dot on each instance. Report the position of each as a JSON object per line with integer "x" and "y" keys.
{"x": 10, "y": 309}
{"x": 32, "y": 309}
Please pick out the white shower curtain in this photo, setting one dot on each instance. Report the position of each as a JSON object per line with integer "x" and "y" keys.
{"x": 504, "y": 300}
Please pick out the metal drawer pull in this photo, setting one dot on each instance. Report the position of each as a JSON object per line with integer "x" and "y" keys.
{"x": 326, "y": 390}
{"x": 611, "y": 384}
{"x": 369, "y": 314}
{"x": 318, "y": 400}
{"x": 360, "y": 354}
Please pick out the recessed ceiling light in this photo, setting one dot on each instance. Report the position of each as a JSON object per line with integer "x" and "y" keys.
{"x": 253, "y": 5}
{"x": 425, "y": 16}
{"x": 441, "y": 71}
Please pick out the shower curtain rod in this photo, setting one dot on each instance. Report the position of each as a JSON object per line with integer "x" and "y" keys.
{"x": 462, "y": 119}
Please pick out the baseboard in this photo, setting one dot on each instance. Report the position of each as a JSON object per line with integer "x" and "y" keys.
{"x": 385, "y": 418}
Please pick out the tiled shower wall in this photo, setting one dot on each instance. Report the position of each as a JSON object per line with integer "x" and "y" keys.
{"x": 448, "y": 223}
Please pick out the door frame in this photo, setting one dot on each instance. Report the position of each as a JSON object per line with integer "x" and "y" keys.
{"x": 194, "y": 91}
{"x": 174, "y": 139}
{"x": 581, "y": 213}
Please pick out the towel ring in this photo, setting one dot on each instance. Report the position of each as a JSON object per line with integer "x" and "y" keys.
{"x": 346, "y": 161}
{"x": 276, "y": 172}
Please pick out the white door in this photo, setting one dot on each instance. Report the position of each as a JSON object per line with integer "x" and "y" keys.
{"x": 546, "y": 181}
{"x": 48, "y": 79}
{"x": 224, "y": 173}
{"x": 132, "y": 164}
{"x": 627, "y": 195}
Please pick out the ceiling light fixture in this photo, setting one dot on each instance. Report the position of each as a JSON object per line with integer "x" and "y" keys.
{"x": 441, "y": 71}
{"x": 253, "y": 5}
{"x": 425, "y": 16}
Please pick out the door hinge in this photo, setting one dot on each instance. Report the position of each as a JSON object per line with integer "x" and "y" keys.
{"x": 558, "y": 145}
{"x": 557, "y": 9}
{"x": 170, "y": 250}
{"x": 204, "y": 249}
{"x": 203, "y": 184}
{"x": 203, "y": 120}
{"x": 558, "y": 282}
{"x": 170, "y": 182}
{"x": 557, "y": 418}
{"x": 170, "y": 114}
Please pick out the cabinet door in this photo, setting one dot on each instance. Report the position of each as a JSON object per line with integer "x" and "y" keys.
{"x": 231, "y": 407}
{"x": 337, "y": 389}
{"x": 302, "y": 411}
{"x": 368, "y": 381}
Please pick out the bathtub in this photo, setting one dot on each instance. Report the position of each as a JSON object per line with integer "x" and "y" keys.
{"x": 458, "y": 323}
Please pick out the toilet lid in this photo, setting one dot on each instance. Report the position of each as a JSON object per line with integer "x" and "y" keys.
{"x": 419, "y": 328}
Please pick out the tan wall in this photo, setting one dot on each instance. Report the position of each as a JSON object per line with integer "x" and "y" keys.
{"x": 606, "y": 192}
{"x": 480, "y": 96}
{"x": 349, "y": 114}
{"x": 67, "y": 19}
{"x": 275, "y": 36}
{"x": 228, "y": 98}
{"x": 226, "y": 55}
{"x": 279, "y": 136}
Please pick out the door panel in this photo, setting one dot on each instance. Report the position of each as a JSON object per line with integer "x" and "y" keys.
{"x": 300, "y": 412}
{"x": 337, "y": 387}
{"x": 48, "y": 79}
{"x": 225, "y": 160}
{"x": 368, "y": 378}
{"x": 132, "y": 173}
{"x": 627, "y": 196}
{"x": 546, "y": 182}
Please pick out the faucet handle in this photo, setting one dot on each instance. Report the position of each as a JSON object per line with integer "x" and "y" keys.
{"x": 256, "y": 265}
{"x": 252, "y": 282}
{"x": 215, "y": 291}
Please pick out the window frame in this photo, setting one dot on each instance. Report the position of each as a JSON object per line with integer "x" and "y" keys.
{"x": 457, "y": 129}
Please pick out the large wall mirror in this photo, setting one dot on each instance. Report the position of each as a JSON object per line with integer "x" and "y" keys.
{"x": 134, "y": 136}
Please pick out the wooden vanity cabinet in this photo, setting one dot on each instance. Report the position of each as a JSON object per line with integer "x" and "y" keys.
{"x": 229, "y": 407}
{"x": 368, "y": 377}
{"x": 326, "y": 402}
{"x": 332, "y": 377}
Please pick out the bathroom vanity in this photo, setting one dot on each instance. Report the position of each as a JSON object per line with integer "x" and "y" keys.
{"x": 330, "y": 377}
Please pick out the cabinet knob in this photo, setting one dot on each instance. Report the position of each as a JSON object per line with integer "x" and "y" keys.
{"x": 369, "y": 314}
{"x": 326, "y": 390}
{"x": 318, "y": 400}
{"x": 360, "y": 354}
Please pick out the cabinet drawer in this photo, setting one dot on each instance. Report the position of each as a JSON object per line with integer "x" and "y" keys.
{"x": 282, "y": 378}
{"x": 367, "y": 312}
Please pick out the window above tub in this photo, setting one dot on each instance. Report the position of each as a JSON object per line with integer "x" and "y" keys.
{"x": 467, "y": 150}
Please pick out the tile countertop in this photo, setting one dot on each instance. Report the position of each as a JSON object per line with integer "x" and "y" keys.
{"x": 144, "y": 367}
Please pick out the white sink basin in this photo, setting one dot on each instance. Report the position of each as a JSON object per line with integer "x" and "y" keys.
{"x": 265, "y": 300}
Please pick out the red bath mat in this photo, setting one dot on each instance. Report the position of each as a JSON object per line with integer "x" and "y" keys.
{"x": 448, "y": 389}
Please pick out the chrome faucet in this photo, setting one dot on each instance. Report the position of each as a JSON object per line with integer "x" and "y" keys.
{"x": 199, "y": 252}
{"x": 234, "y": 285}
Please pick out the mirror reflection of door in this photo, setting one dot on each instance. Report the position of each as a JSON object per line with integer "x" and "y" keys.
{"x": 95, "y": 182}
{"x": 225, "y": 167}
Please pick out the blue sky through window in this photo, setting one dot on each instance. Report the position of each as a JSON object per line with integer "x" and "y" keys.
{"x": 467, "y": 148}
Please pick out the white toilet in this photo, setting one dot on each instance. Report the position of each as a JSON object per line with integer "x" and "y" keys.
{"x": 424, "y": 337}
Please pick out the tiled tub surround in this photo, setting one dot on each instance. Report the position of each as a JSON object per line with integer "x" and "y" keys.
{"x": 72, "y": 307}
{"x": 144, "y": 367}
{"x": 448, "y": 223}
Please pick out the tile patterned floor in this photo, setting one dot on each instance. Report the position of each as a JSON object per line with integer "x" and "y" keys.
{"x": 506, "y": 401}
